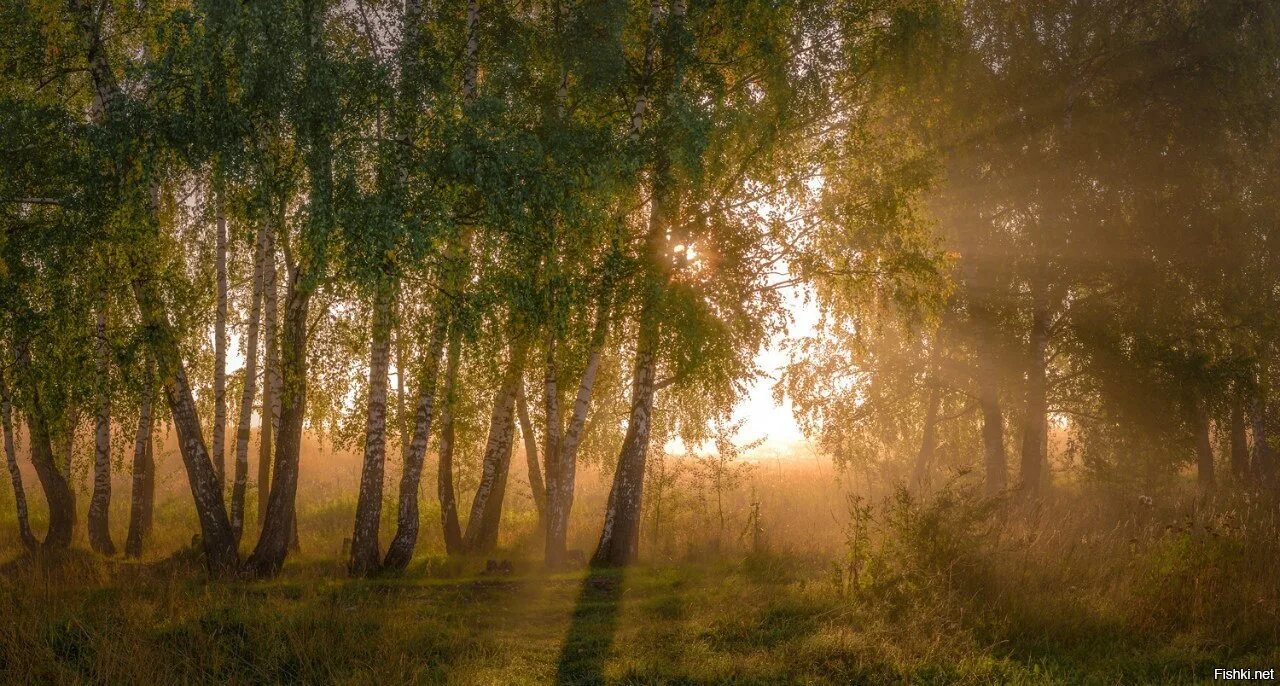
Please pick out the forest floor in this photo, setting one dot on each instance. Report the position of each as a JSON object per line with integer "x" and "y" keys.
{"x": 754, "y": 620}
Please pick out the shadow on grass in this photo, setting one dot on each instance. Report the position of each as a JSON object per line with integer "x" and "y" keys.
{"x": 591, "y": 629}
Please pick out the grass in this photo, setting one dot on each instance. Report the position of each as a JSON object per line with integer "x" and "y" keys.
{"x": 1084, "y": 588}
{"x": 759, "y": 620}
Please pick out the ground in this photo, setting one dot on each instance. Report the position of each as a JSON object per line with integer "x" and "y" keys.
{"x": 755, "y": 620}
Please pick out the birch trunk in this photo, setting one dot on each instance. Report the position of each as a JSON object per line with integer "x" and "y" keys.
{"x": 220, "y": 343}
{"x": 406, "y": 537}
{"x": 933, "y": 405}
{"x": 271, "y": 380}
{"x": 279, "y": 527}
{"x": 366, "y": 553}
{"x": 142, "y": 497}
{"x": 929, "y": 438}
{"x": 219, "y": 543}
{"x": 486, "y": 508}
{"x": 15, "y": 475}
{"x": 244, "y": 421}
{"x": 62, "y": 503}
{"x": 403, "y": 432}
{"x": 99, "y": 523}
{"x": 620, "y": 536}
{"x": 562, "y": 466}
{"x": 221, "y": 556}
{"x": 527, "y": 436}
{"x": 994, "y": 459}
{"x": 444, "y": 478}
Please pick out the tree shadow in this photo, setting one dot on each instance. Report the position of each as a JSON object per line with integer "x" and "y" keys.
{"x": 591, "y": 629}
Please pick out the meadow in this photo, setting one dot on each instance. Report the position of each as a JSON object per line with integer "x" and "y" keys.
{"x": 833, "y": 588}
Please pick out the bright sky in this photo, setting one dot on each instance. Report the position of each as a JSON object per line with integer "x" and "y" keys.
{"x": 764, "y": 416}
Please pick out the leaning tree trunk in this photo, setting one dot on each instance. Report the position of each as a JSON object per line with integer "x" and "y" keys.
{"x": 366, "y": 555}
{"x": 221, "y": 555}
{"x": 486, "y": 508}
{"x": 219, "y": 543}
{"x": 536, "y": 487}
{"x": 444, "y": 478}
{"x": 620, "y": 536}
{"x": 15, "y": 475}
{"x": 244, "y": 421}
{"x": 271, "y": 381}
{"x": 279, "y": 527}
{"x": 406, "y": 537}
{"x": 1035, "y": 425}
{"x": 142, "y": 498}
{"x": 99, "y": 528}
{"x": 220, "y": 343}
{"x": 57, "y": 492}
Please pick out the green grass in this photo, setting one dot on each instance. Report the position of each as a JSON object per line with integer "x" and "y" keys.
{"x": 763, "y": 620}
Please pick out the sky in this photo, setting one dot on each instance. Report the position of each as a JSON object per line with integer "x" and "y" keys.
{"x": 762, "y": 415}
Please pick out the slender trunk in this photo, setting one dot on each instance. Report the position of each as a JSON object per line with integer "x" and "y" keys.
{"x": 562, "y": 465}
{"x": 1204, "y": 447}
{"x": 220, "y": 343}
{"x": 444, "y": 480}
{"x": 470, "y": 64}
{"x": 221, "y": 556}
{"x": 219, "y": 543}
{"x": 142, "y": 498}
{"x": 244, "y": 421}
{"x": 271, "y": 380}
{"x": 1035, "y": 429}
{"x": 536, "y": 488}
{"x": 402, "y": 544}
{"x": 486, "y": 508}
{"x": 280, "y": 526}
{"x": 403, "y": 432}
{"x": 100, "y": 502}
{"x": 366, "y": 553}
{"x": 620, "y": 537}
{"x": 1239, "y": 440}
{"x": 15, "y": 475}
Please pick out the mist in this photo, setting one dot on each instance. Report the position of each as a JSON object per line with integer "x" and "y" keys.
{"x": 800, "y": 341}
